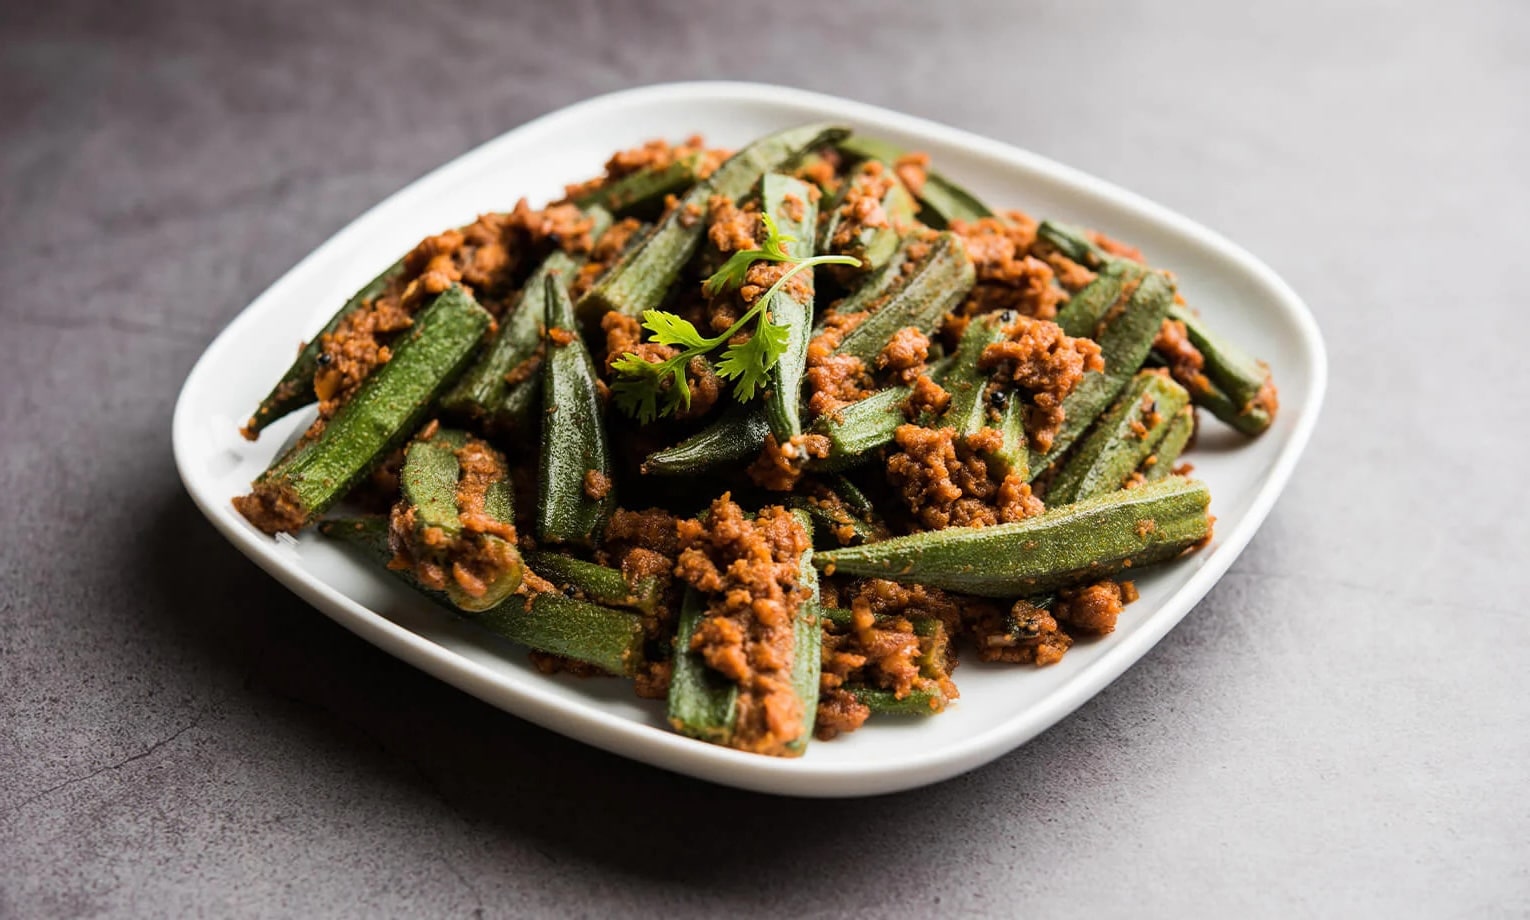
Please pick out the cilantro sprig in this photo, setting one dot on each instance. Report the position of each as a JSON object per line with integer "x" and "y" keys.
{"x": 639, "y": 388}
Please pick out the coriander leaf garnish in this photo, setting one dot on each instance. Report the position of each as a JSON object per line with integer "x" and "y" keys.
{"x": 639, "y": 388}
{"x": 732, "y": 273}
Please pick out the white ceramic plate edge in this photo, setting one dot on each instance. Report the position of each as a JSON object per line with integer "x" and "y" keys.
{"x": 673, "y": 752}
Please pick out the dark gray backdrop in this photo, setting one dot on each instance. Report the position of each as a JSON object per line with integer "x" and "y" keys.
{"x": 1341, "y": 726}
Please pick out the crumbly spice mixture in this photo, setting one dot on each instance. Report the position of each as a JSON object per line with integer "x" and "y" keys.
{"x": 748, "y": 571}
{"x": 946, "y": 480}
{"x": 1039, "y": 360}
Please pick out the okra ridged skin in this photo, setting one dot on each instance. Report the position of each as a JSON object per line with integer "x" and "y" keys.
{"x": 1175, "y": 440}
{"x": 1122, "y": 439}
{"x": 856, "y": 431}
{"x": 943, "y": 200}
{"x": 598, "y": 583}
{"x": 611, "y": 640}
{"x": 887, "y": 703}
{"x": 430, "y": 486}
{"x": 1124, "y": 344}
{"x": 386, "y": 410}
{"x": 783, "y": 397}
{"x": 702, "y": 703}
{"x": 573, "y": 432}
{"x": 642, "y": 193}
{"x": 873, "y": 246}
{"x": 971, "y": 410}
{"x": 737, "y": 435}
{"x": 807, "y": 630}
{"x": 483, "y": 393}
{"x": 1238, "y": 380}
{"x": 937, "y": 284}
{"x": 1081, "y": 315}
{"x": 640, "y": 281}
{"x": 295, "y": 389}
{"x": 1066, "y": 545}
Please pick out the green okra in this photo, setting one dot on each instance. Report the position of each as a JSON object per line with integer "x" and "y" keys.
{"x": 976, "y": 405}
{"x": 642, "y": 193}
{"x": 807, "y": 629}
{"x": 1068, "y": 544}
{"x": 917, "y": 701}
{"x": 611, "y": 640}
{"x": 738, "y": 435}
{"x": 642, "y": 278}
{"x": 1235, "y": 386}
{"x": 850, "y": 521}
{"x": 872, "y": 245}
{"x": 942, "y": 200}
{"x": 433, "y": 499}
{"x": 942, "y": 275}
{"x": 856, "y": 431}
{"x": 575, "y": 455}
{"x": 1082, "y": 314}
{"x": 295, "y": 389}
{"x": 500, "y": 389}
{"x": 703, "y": 704}
{"x": 1161, "y": 462}
{"x": 788, "y": 201}
{"x": 1121, "y": 440}
{"x": 1127, "y": 336}
{"x": 1240, "y": 391}
{"x": 594, "y": 582}
{"x": 389, "y": 406}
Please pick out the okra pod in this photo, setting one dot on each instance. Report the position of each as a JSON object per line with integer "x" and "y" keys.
{"x": 492, "y": 391}
{"x": 642, "y": 194}
{"x": 455, "y": 519}
{"x": 389, "y": 406}
{"x": 943, "y": 201}
{"x": 1161, "y": 462}
{"x": 1236, "y": 387}
{"x": 1068, "y": 544}
{"x": 1082, "y": 314}
{"x": 974, "y": 406}
{"x": 847, "y": 517}
{"x": 918, "y": 701}
{"x": 737, "y": 435}
{"x": 641, "y": 279}
{"x": 872, "y": 245}
{"x": 1122, "y": 439}
{"x": 295, "y": 389}
{"x": 857, "y": 430}
{"x": 704, "y": 705}
{"x": 1240, "y": 392}
{"x": 611, "y": 640}
{"x": 594, "y": 582}
{"x": 941, "y": 277}
{"x": 1124, "y": 343}
{"x": 575, "y": 494}
{"x": 789, "y": 202}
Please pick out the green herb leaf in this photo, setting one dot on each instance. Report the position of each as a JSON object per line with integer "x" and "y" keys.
{"x": 736, "y": 269}
{"x": 748, "y": 363}
{"x": 649, "y": 389}
{"x": 669, "y": 329}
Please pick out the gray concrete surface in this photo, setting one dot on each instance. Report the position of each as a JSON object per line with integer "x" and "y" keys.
{"x": 1341, "y": 728}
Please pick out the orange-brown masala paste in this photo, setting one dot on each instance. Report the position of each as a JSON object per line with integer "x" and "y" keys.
{"x": 748, "y": 572}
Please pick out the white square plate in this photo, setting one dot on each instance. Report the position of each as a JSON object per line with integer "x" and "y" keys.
{"x": 1000, "y": 707}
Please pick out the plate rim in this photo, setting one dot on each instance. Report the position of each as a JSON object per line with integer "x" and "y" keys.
{"x": 674, "y": 752}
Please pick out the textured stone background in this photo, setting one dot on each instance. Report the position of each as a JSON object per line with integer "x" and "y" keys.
{"x": 1341, "y": 727}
